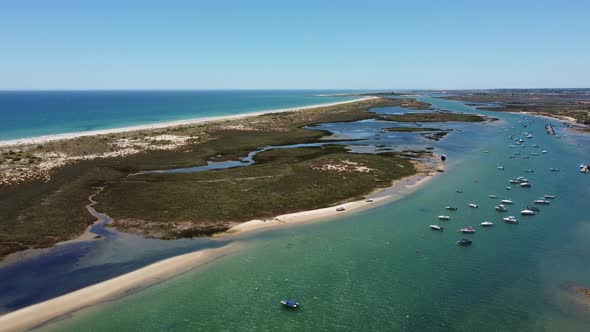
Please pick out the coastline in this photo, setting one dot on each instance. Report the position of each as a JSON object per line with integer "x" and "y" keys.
{"x": 398, "y": 190}
{"x": 160, "y": 125}
{"x": 39, "y": 314}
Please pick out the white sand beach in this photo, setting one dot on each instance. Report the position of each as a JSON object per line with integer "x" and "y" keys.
{"x": 65, "y": 136}
{"x": 38, "y": 314}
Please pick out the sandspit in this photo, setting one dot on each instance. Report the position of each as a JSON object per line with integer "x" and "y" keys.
{"x": 38, "y": 314}
{"x": 65, "y": 136}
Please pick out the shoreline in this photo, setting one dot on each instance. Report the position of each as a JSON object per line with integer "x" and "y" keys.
{"x": 166, "y": 124}
{"x": 45, "y": 312}
{"x": 398, "y": 190}
{"x": 39, "y": 314}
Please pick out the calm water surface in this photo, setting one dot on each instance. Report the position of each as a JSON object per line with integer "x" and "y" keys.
{"x": 384, "y": 269}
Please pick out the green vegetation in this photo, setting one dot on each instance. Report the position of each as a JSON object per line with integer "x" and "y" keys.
{"x": 282, "y": 181}
{"x": 433, "y": 117}
{"x": 557, "y": 102}
{"x": 38, "y": 214}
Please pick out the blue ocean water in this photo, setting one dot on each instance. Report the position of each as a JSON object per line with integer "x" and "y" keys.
{"x": 37, "y": 113}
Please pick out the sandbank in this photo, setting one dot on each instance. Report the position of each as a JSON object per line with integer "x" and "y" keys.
{"x": 41, "y": 313}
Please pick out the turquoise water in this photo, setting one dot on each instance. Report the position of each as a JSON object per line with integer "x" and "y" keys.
{"x": 37, "y": 113}
{"x": 384, "y": 269}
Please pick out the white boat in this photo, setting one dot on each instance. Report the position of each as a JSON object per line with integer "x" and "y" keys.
{"x": 514, "y": 181}
{"x": 508, "y": 188}
{"x": 472, "y": 205}
{"x": 436, "y": 227}
{"x": 340, "y": 209}
{"x": 535, "y": 154}
{"x": 541, "y": 201}
{"x": 511, "y": 146}
{"x": 450, "y": 208}
{"x": 506, "y": 201}
{"x": 501, "y": 168}
{"x": 554, "y": 169}
{"x": 444, "y": 217}
{"x": 525, "y": 185}
{"x": 529, "y": 171}
{"x": 511, "y": 220}
{"x": 487, "y": 223}
{"x": 527, "y": 212}
{"x": 544, "y": 151}
{"x": 492, "y": 196}
{"x": 549, "y": 196}
{"x": 369, "y": 200}
{"x": 501, "y": 208}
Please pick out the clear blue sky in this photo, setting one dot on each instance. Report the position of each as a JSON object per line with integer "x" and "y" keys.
{"x": 250, "y": 44}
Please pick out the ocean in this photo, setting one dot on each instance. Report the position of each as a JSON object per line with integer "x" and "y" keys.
{"x": 379, "y": 269}
{"x": 25, "y": 114}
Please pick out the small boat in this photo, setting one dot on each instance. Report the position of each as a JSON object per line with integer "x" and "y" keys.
{"x": 369, "y": 200}
{"x": 511, "y": 146}
{"x": 436, "y": 227}
{"x": 444, "y": 217}
{"x": 487, "y": 223}
{"x": 554, "y": 169}
{"x": 544, "y": 151}
{"x": 549, "y": 196}
{"x": 533, "y": 208}
{"x": 535, "y": 145}
{"x": 467, "y": 230}
{"x": 473, "y": 205}
{"x": 541, "y": 201}
{"x": 290, "y": 303}
{"x": 529, "y": 171}
{"x": 492, "y": 196}
{"x": 514, "y": 181}
{"x": 501, "y": 168}
{"x": 450, "y": 208}
{"x": 522, "y": 179}
{"x": 506, "y": 201}
{"x": 464, "y": 242}
{"x": 525, "y": 185}
{"x": 459, "y": 191}
{"x": 501, "y": 208}
{"x": 340, "y": 209}
{"x": 527, "y": 212}
{"x": 443, "y": 157}
{"x": 508, "y": 188}
{"x": 534, "y": 154}
{"x": 511, "y": 220}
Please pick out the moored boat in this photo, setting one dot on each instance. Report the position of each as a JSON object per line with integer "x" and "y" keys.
{"x": 340, "y": 209}
{"x": 492, "y": 196}
{"x": 472, "y": 205}
{"x": 450, "y": 208}
{"x": 527, "y": 212}
{"x": 464, "y": 242}
{"x": 468, "y": 229}
{"x": 511, "y": 220}
{"x": 525, "y": 185}
{"x": 549, "y": 196}
{"x": 541, "y": 201}
{"x": 506, "y": 201}
{"x": 436, "y": 227}
{"x": 290, "y": 303}
{"x": 444, "y": 217}
{"x": 487, "y": 223}
{"x": 501, "y": 208}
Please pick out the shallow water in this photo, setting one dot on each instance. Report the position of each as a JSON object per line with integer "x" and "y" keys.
{"x": 384, "y": 269}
